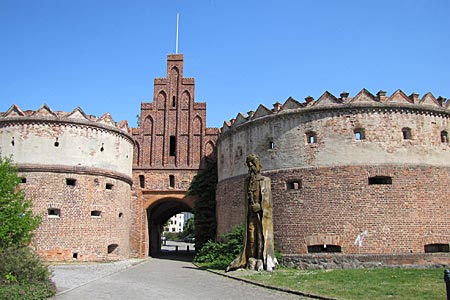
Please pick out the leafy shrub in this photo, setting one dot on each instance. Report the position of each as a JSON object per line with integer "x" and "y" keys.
{"x": 17, "y": 221}
{"x": 23, "y": 275}
{"x": 218, "y": 255}
{"x": 27, "y": 291}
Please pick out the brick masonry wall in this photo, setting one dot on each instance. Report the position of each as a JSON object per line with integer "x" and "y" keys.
{"x": 335, "y": 204}
{"x": 75, "y": 230}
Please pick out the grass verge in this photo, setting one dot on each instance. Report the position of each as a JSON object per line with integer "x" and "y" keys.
{"x": 383, "y": 283}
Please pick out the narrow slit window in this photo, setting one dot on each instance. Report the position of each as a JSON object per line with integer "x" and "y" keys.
{"x": 109, "y": 186}
{"x": 311, "y": 137}
{"x": 142, "y": 181}
{"x": 12, "y": 142}
{"x": 56, "y": 144}
{"x": 174, "y": 102}
{"x": 173, "y": 145}
{"x": 444, "y": 137}
{"x": 380, "y": 180}
{"x": 96, "y": 213}
{"x": 271, "y": 145}
{"x": 54, "y": 212}
{"x": 71, "y": 181}
{"x": 172, "y": 181}
{"x": 406, "y": 133}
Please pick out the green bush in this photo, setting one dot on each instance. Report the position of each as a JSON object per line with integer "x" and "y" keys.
{"x": 27, "y": 291}
{"x": 23, "y": 275}
{"x": 218, "y": 255}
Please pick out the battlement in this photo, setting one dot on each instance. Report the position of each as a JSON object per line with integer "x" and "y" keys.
{"x": 328, "y": 101}
{"x": 45, "y": 113}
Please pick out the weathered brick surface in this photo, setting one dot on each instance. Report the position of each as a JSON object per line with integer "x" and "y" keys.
{"x": 173, "y": 115}
{"x": 334, "y": 202}
{"x": 75, "y": 230}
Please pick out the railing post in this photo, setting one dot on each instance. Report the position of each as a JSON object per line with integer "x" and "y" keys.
{"x": 447, "y": 282}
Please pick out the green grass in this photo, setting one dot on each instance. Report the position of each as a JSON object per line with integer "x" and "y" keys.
{"x": 373, "y": 284}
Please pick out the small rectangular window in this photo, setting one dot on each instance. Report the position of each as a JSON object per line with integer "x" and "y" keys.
{"x": 171, "y": 181}
{"x": 380, "y": 180}
{"x": 173, "y": 145}
{"x": 142, "y": 181}
{"x": 433, "y": 248}
{"x": 71, "y": 181}
{"x": 109, "y": 186}
{"x": 54, "y": 212}
{"x": 96, "y": 213}
{"x": 359, "y": 134}
{"x": 23, "y": 180}
{"x": 294, "y": 184}
{"x": 324, "y": 248}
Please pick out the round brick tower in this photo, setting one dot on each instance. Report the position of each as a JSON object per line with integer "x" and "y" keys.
{"x": 77, "y": 169}
{"x": 363, "y": 175}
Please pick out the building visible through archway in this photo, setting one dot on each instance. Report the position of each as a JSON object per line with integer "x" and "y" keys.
{"x": 171, "y": 144}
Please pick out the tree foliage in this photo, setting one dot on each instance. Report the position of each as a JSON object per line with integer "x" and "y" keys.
{"x": 17, "y": 221}
{"x": 204, "y": 186}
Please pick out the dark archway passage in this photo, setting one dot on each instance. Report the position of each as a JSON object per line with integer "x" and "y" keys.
{"x": 157, "y": 214}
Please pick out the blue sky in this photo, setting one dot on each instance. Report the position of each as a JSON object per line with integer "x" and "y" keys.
{"x": 103, "y": 55}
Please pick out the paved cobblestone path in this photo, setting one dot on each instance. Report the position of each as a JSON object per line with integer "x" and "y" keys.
{"x": 170, "y": 279}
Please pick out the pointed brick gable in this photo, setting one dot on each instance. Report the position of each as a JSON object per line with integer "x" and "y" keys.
{"x": 429, "y": 100}
{"x": 45, "y": 111}
{"x": 261, "y": 112}
{"x": 240, "y": 118}
{"x": 106, "y": 119}
{"x": 327, "y": 99}
{"x": 291, "y": 103}
{"x": 364, "y": 96}
{"x": 399, "y": 97}
{"x": 78, "y": 113}
{"x": 14, "y": 111}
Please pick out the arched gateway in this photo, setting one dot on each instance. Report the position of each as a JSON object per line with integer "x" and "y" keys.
{"x": 170, "y": 146}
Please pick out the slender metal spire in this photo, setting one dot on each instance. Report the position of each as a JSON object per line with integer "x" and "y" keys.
{"x": 176, "y": 43}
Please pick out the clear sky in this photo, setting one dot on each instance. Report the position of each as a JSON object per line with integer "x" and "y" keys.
{"x": 103, "y": 55}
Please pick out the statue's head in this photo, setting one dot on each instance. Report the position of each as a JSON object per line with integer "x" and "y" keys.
{"x": 253, "y": 164}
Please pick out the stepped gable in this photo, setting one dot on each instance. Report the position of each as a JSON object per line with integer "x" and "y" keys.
{"x": 399, "y": 97}
{"x": 261, "y": 112}
{"x": 327, "y": 99}
{"x": 14, "y": 111}
{"x": 240, "y": 118}
{"x": 291, "y": 103}
{"x": 45, "y": 111}
{"x": 78, "y": 113}
{"x": 429, "y": 100}
{"x": 364, "y": 96}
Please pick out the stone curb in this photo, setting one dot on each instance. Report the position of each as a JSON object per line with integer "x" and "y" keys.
{"x": 281, "y": 289}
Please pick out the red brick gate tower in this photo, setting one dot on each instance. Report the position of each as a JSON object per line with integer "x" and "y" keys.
{"x": 170, "y": 144}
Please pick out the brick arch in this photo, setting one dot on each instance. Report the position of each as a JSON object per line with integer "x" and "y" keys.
{"x": 159, "y": 208}
{"x": 185, "y": 100}
{"x": 137, "y": 153}
{"x": 197, "y": 125}
{"x": 161, "y": 100}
